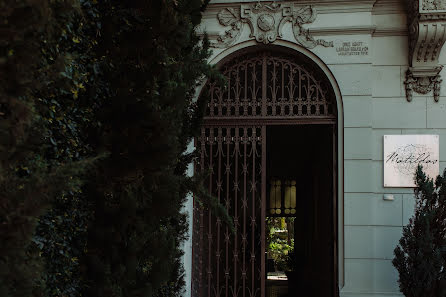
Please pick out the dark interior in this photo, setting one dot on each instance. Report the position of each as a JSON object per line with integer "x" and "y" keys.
{"x": 305, "y": 153}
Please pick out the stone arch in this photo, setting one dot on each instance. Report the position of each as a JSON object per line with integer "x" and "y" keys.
{"x": 291, "y": 48}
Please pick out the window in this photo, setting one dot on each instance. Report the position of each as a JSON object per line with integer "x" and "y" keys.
{"x": 282, "y": 197}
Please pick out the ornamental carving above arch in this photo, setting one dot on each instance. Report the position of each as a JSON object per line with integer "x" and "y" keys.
{"x": 266, "y": 22}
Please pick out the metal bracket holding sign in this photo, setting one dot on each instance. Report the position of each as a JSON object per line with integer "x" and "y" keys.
{"x": 403, "y": 153}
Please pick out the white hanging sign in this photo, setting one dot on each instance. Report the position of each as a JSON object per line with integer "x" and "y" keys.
{"x": 403, "y": 153}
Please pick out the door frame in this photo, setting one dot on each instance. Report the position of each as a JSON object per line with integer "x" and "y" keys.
{"x": 338, "y": 175}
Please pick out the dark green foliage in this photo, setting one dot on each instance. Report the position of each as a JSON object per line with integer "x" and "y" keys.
{"x": 420, "y": 257}
{"x": 61, "y": 237}
{"x": 84, "y": 78}
{"x": 280, "y": 241}
{"x": 68, "y": 112}
{"x": 31, "y": 178}
{"x": 152, "y": 64}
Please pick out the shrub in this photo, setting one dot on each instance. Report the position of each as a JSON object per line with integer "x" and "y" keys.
{"x": 420, "y": 255}
{"x": 29, "y": 179}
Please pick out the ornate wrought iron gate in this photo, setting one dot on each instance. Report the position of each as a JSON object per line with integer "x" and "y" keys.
{"x": 263, "y": 88}
{"x": 229, "y": 263}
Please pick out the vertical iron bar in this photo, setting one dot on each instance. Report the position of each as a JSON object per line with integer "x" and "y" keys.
{"x": 228, "y": 171}
{"x": 264, "y": 73}
{"x": 253, "y": 214}
{"x": 236, "y": 154}
{"x": 211, "y": 101}
{"x": 200, "y": 271}
{"x": 246, "y": 82}
{"x": 300, "y": 85}
{"x": 209, "y": 272}
{"x": 308, "y": 91}
{"x": 229, "y": 86}
{"x": 299, "y": 99}
{"x": 263, "y": 209}
{"x": 237, "y": 93}
{"x": 274, "y": 73}
{"x": 254, "y": 88}
{"x": 283, "y": 89}
{"x": 220, "y": 102}
{"x": 263, "y": 183}
{"x": 253, "y": 78}
{"x": 245, "y": 204}
{"x": 220, "y": 151}
{"x": 290, "y": 83}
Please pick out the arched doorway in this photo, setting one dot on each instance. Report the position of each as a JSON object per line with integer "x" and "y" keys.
{"x": 275, "y": 120}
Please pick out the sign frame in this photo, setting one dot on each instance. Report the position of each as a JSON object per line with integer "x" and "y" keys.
{"x": 403, "y": 152}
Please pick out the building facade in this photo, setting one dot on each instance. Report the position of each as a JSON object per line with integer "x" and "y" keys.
{"x": 313, "y": 88}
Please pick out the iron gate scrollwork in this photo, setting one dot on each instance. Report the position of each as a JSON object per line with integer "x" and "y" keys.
{"x": 270, "y": 87}
{"x": 263, "y": 88}
{"x": 229, "y": 263}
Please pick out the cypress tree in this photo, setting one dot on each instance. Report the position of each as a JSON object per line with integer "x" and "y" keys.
{"x": 153, "y": 61}
{"x": 80, "y": 78}
{"x": 421, "y": 254}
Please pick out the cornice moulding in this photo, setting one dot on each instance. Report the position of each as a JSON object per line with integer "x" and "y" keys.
{"x": 354, "y": 30}
{"x": 330, "y": 31}
{"x": 358, "y": 30}
{"x": 389, "y": 7}
{"x": 382, "y": 32}
{"x": 324, "y": 31}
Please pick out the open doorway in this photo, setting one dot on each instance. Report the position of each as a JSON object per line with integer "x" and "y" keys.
{"x": 300, "y": 211}
{"x": 276, "y": 121}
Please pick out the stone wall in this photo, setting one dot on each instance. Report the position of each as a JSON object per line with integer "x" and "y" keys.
{"x": 368, "y": 59}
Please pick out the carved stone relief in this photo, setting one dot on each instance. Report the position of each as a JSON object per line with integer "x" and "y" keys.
{"x": 422, "y": 85}
{"x": 265, "y": 22}
{"x": 427, "y": 35}
{"x": 434, "y": 4}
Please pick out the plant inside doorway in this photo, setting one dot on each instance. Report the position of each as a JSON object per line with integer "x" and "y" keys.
{"x": 280, "y": 238}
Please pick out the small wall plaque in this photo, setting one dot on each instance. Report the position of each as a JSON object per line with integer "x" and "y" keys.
{"x": 403, "y": 153}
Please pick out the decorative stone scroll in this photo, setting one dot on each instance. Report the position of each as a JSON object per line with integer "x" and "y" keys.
{"x": 266, "y": 21}
{"x": 427, "y": 34}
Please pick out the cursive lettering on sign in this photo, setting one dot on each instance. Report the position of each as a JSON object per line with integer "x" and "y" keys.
{"x": 405, "y": 158}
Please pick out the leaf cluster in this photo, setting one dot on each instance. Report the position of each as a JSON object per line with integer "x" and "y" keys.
{"x": 34, "y": 171}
